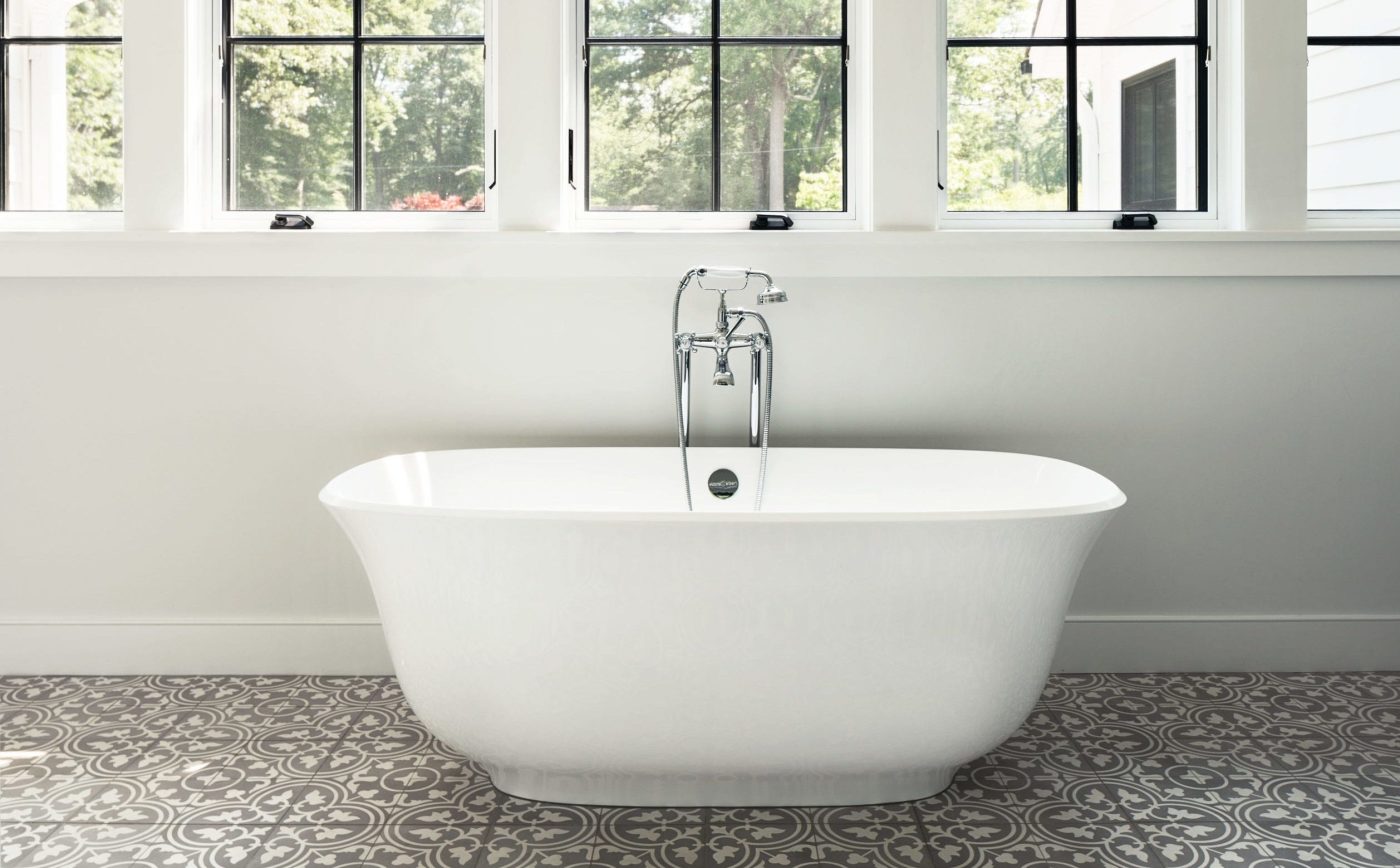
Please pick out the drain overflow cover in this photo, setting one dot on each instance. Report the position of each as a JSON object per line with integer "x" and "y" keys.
{"x": 723, "y": 483}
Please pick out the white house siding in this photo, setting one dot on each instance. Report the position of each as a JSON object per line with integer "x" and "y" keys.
{"x": 1353, "y": 108}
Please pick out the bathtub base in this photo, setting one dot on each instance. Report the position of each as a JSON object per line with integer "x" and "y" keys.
{"x": 734, "y": 791}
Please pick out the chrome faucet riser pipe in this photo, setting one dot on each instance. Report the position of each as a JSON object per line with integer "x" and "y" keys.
{"x": 755, "y": 375}
{"x": 683, "y": 359}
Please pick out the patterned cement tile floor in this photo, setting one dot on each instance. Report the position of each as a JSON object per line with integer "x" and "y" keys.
{"x": 1153, "y": 771}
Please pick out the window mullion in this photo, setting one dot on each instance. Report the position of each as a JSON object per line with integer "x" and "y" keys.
{"x": 1072, "y": 105}
{"x": 154, "y": 146}
{"x": 715, "y": 139}
{"x": 1274, "y": 102}
{"x": 903, "y": 161}
{"x": 4, "y": 107}
{"x": 528, "y": 66}
{"x": 357, "y": 136}
{"x": 1203, "y": 113}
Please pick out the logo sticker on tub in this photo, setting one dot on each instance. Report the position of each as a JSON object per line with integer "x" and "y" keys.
{"x": 724, "y": 483}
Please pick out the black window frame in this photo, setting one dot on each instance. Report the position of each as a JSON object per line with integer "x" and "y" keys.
{"x": 5, "y": 42}
{"x": 1354, "y": 42}
{"x": 1072, "y": 42}
{"x": 715, "y": 41}
{"x": 357, "y": 39}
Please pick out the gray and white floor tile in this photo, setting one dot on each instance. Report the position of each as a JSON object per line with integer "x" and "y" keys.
{"x": 1171, "y": 770}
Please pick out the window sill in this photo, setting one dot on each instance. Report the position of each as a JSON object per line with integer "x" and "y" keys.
{"x": 663, "y": 254}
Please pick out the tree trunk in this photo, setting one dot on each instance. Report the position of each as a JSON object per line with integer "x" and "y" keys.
{"x": 777, "y": 137}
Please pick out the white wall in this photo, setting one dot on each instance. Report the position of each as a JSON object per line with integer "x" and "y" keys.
{"x": 163, "y": 441}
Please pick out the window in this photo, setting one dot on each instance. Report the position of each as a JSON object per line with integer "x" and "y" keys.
{"x": 714, "y": 105}
{"x": 1076, "y": 105}
{"x": 61, "y": 133}
{"x": 1353, "y": 105}
{"x": 354, "y": 105}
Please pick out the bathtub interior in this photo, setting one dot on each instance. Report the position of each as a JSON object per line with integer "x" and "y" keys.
{"x": 647, "y": 481}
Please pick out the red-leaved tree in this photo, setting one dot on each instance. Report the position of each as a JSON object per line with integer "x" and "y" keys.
{"x": 438, "y": 202}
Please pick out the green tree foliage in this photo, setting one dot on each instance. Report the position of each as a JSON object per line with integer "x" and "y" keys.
{"x": 424, "y": 108}
{"x": 94, "y": 82}
{"x": 649, "y": 128}
{"x": 780, "y": 115}
{"x": 1006, "y": 126}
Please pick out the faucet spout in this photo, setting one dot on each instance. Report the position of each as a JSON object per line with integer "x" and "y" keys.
{"x": 723, "y": 376}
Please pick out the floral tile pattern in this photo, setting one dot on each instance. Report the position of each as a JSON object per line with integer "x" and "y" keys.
{"x": 1161, "y": 770}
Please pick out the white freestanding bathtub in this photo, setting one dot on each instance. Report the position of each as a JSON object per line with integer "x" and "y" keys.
{"x": 559, "y": 616}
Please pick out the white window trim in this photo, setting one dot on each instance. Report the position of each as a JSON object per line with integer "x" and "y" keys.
{"x": 204, "y": 205}
{"x": 574, "y": 205}
{"x": 1221, "y": 106}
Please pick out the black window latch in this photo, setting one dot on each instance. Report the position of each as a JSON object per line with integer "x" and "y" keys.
{"x": 292, "y": 221}
{"x": 771, "y": 221}
{"x": 1136, "y": 221}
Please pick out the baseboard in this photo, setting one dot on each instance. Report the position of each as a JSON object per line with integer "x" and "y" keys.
{"x": 1091, "y": 643}
{"x": 1251, "y": 643}
{"x": 329, "y": 647}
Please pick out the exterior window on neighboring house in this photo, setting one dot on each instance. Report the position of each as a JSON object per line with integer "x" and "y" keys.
{"x": 1149, "y": 140}
{"x": 354, "y": 105}
{"x": 1076, "y": 105}
{"x": 1354, "y": 105}
{"x": 703, "y": 105}
{"x": 61, "y": 105}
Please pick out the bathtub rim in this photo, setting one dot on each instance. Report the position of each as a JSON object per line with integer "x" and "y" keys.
{"x": 339, "y": 502}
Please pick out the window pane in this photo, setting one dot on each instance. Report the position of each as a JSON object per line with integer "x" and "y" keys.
{"x": 781, "y": 128}
{"x": 1136, "y": 17}
{"x": 649, "y": 128}
{"x": 1354, "y": 127}
{"x": 1006, "y": 18}
{"x": 766, "y": 18}
{"x": 425, "y": 128}
{"x": 291, "y": 139}
{"x": 292, "y": 17}
{"x": 67, "y": 18}
{"x": 649, "y": 17}
{"x": 1137, "y": 128}
{"x": 1353, "y": 18}
{"x": 423, "y": 17}
{"x": 64, "y": 118}
{"x": 1006, "y": 129}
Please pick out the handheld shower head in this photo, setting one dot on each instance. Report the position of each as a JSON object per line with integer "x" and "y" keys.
{"x": 772, "y": 295}
{"x": 723, "y": 376}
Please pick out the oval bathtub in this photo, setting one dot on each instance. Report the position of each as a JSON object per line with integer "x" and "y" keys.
{"x": 559, "y": 616}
